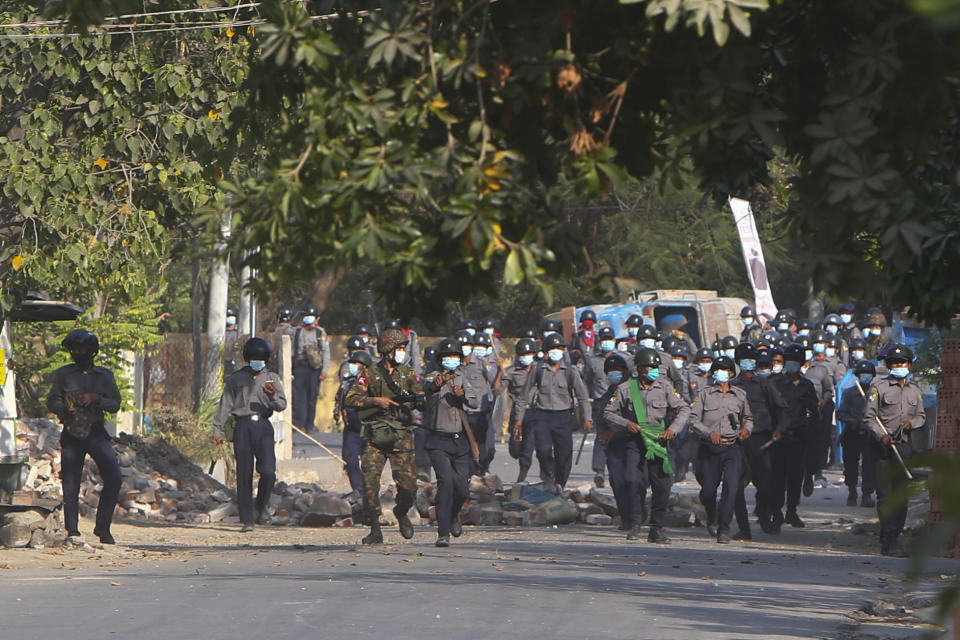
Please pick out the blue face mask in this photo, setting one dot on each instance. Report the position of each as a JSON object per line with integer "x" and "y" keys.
{"x": 747, "y": 321}
{"x": 748, "y": 365}
{"x": 865, "y": 379}
{"x": 808, "y": 354}
{"x": 632, "y": 331}
{"x": 819, "y": 347}
{"x": 832, "y": 329}
{"x": 857, "y": 355}
{"x": 764, "y": 373}
{"x": 466, "y": 350}
{"x": 555, "y": 355}
{"x": 353, "y": 368}
{"x": 308, "y": 320}
{"x": 480, "y": 352}
{"x": 607, "y": 345}
{"x": 846, "y": 318}
{"x": 899, "y": 372}
{"x": 648, "y": 343}
{"x": 804, "y": 332}
{"x": 721, "y": 376}
{"x": 258, "y": 365}
{"x": 450, "y": 363}
{"x": 526, "y": 359}
{"x": 783, "y": 326}
{"x": 704, "y": 366}
{"x": 615, "y": 377}
{"x": 471, "y": 331}
{"x": 831, "y": 352}
{"x": 792, "y": 367}
{"x": 652, "y": 374}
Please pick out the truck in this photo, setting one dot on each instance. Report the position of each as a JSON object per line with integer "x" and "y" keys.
{"x": 703, "y": 314}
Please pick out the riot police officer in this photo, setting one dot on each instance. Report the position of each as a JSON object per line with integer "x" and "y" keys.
{"x": 857, "y": 439}
{"x": 894, "y": 409}
{"x": 585, "y": 339}
{"x": 722, "y": 416}
{"x": 231, "y": 342}
{"x": 554, "y": 389}
{"x": 450, "y": 440}
{"x": 80, "y": 395}
{"x": 597, "y": 383}
{"x": 521, "y": 446}
{"x": 358, "y": 360}
{"x": 251, "y": 395}
{"x": 795, "y": 437}
{"x": 640, "y": 409}
{"x": 311, "y": 360}
{"x": 752, "y": 329}
{"x": 765, "y": 406}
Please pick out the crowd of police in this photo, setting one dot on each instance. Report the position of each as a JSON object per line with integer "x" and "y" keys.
{"x": 757, "y": 409}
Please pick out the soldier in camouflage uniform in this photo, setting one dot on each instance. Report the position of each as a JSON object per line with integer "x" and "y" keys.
{"x": 384, "y": 398}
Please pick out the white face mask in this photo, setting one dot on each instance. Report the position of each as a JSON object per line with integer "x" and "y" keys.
{"x": 309, "y": 319}
{"x": 846, "y": 318}
{"x": 466, "y": 350}
{"x": 783, "y": 326}
{"x": 833, "y": 329}
{"x": 648, "y": 343}
{"x": 730, "y": 353}
{"x": 231, "y": 319}
{"x": 399, "y": 356}
{"x": 858, "y": 355}
{"x": 480, "y": 352}
{"x": 489, "y": 331}
{"x": 607, "y": 345}
{"x": 547, "y": 334}
{"x": 679, "y": 363}
{"x": 555, "y": 355}
{"x": 526, "y": 359}
{"x": 831, "y": 352}
{"x": 471, "y": 331}
{"x": 777, "y": 368}
{"x": 804, "y": 332}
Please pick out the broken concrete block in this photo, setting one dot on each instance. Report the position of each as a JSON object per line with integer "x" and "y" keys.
{"x": 478, "y": 486}
{"x": 604, "y": 501}
{"x": 221, "y": 512}
{"x": 516, "y": 518}
{"x": 326, "y": 509}
{"x": 492, "y": 482}
{"x": 601, "y": 519}
{"x": 15, "y": 535}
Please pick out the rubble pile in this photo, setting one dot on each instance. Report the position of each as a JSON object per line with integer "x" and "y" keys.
{"x": 159, "y": 482}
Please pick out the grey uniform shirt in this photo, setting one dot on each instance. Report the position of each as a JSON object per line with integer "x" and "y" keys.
{"x": 446, "y": 405}
{"x": 554, "y": 390}
{"x": 477, "y": 373}
{"x": 894, "y": 405}
{"x": 304, "y": 337}
{"x": 594, "y": 376}
{"x": 821, "y": 376}
{"x": 658, "y": 398}
{"x": 243, "y": 395}
{"x": 72, "y": 379}
{"x": 712, "y": 409}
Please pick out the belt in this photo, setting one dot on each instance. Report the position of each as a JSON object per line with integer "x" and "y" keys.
{"x": 553, "y": 410}
{"x": 452, "y": 436}
{"x": 253, "y": 417}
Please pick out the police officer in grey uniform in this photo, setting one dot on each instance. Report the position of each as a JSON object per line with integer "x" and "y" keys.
{"x": 493, "y": 374}
{"x": 597, "y": 384}
{"x": 251, "y": 395}
{"x": 897, "y": 403}
{"x": 647, "y": 339}
{"x": 722, "y": 416}
{"x": 821, "y": 374}
{"x": 311, "y": 360}
{"x": 646, "y": 459}
{"x": 477, "y": 406}
{"x": 357, "y": 359}
{"x": 521, "y": 446}
{"x": 450, "y": 440}
{"x": 553, "y": 391}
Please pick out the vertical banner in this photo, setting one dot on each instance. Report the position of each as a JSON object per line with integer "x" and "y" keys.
{"x": 753, "y": 256}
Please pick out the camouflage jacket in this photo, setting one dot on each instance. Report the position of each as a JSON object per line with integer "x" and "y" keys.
{"x": 371, "y": 384}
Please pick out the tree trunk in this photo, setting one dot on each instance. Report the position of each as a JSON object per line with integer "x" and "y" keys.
{"x": 216, "y": 321}
{"x": 246, "y": 319}
{"x": 324, "y": 283}
{"x": 196, "y": 303}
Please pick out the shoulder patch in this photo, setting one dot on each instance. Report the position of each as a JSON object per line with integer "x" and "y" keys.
{"x": 362, "y": 379}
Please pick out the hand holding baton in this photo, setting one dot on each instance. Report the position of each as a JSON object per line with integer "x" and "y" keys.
{"x": 893, "y": 445}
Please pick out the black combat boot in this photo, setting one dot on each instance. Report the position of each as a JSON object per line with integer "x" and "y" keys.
{"x": 634, "y": 533}
{"x": 852, "y": 497}
{"x": 406, "y": 527}
{"x": 657, "y": 536}
{"x": 375, "y": 536}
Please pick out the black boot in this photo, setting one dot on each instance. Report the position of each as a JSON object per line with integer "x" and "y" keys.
{"x": 852, "y": 497}
{"x": 743, "y": 534}
{"x": 657, "y": 536}
{"x": 794, "y": 520}
{"x": 522, "y": 475}
{"x": 375, "y": 536}
{"x": 807, "y": 485}
{"x": 634, "y": 533}
{"x": 406, "y": 527}
{"x": 866, "y": 500}
{"x": 598, "y": 480}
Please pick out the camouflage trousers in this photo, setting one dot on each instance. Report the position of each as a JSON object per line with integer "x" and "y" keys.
{"x": 404, "y": 472}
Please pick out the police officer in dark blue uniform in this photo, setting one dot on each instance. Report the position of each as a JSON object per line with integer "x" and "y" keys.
{"x": 857, "y": 440}
{"x": 358, "y": 358}
{"x": 80, "y": 395}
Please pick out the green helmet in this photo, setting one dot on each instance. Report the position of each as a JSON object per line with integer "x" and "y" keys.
{"x": 390, "y": 340}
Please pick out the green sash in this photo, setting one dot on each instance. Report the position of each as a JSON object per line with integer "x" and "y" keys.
{"x": 650, "y": 432}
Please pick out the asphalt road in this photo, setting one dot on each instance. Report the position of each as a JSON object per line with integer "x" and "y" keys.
{"x": 575, "y": 581}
